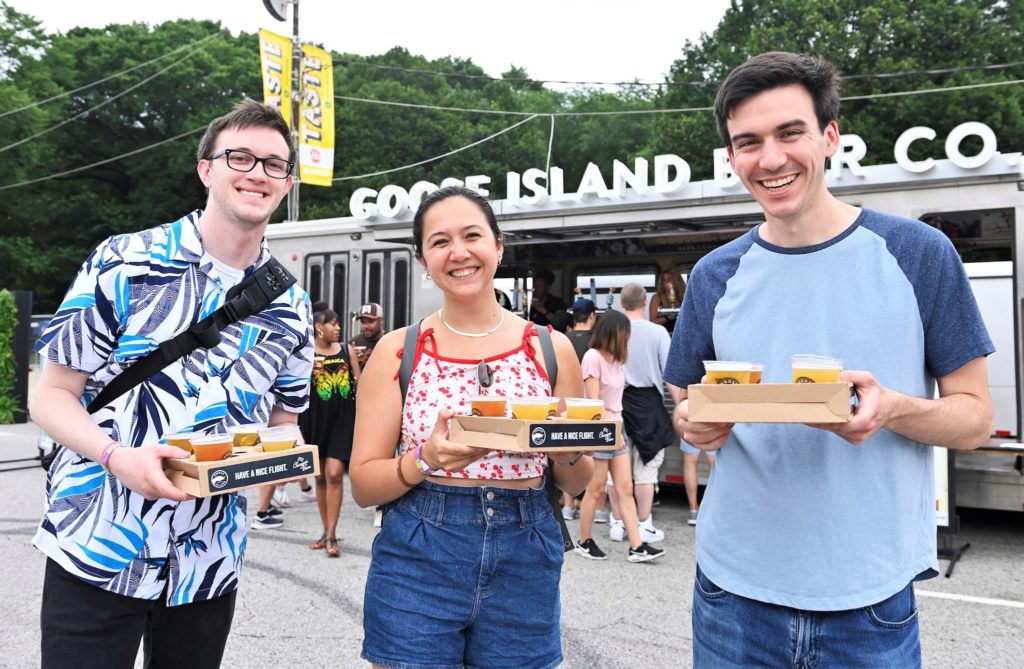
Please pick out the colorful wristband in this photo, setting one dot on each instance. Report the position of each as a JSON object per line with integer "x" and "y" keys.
{"x": 110, "y": 448}
{"x": 421, "y": 464}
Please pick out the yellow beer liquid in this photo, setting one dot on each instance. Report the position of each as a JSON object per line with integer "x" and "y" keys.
{"x": 755, "y": 376}
{"x": 493, "y": 407}
{"x": 246, "y": 439}
{"x": 181, "y": 442}
{"x": 278, "y": 445}
{"x": 215, "y": 451}
{"x": 529, "y": 411}
{"x": 730, "y": 376}
{"x": 553, "y": 407}
{"x": 815, "y": 375}
{"x": 583, "y": 412}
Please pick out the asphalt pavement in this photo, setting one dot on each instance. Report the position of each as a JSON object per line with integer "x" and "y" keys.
{"x": 296, "y": 606}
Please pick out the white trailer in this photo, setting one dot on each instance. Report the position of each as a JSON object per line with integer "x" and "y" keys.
{"x": 595, "y": 243}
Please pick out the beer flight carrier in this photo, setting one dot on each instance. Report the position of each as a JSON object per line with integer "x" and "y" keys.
{"x": 243, "y": 457}
{"x": 536, "y": 425}
{"x": 734, "y": 393}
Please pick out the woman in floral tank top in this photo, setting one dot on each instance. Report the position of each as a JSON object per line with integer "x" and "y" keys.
{"x": 466, "y": 568}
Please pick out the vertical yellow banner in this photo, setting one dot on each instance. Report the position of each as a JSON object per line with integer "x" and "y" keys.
{"x": 316, "y": 117}
{"x": 276, "y": 68}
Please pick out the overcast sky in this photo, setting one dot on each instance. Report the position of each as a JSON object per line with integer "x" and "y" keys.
{"x": 574, "y": 40}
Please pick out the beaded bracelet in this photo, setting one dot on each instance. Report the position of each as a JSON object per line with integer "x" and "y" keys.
{"x": 401, "y": 476}
{"x": 107, "y": 451}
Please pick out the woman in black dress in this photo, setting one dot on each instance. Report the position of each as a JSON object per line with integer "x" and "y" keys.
{"x": 330, "y": 419}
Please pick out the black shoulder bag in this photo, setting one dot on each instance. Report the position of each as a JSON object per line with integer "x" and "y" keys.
{"x": 550, "y": 364}
{"x": 249, "y": 297}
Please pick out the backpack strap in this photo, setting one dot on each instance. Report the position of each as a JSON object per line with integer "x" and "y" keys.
{"x": 412, "y": 335}
{"x": 547, "y": 349}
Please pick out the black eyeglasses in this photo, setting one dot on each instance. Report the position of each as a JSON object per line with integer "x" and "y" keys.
{"x": 243, "y": 161}
{"x": 484, "y": 374}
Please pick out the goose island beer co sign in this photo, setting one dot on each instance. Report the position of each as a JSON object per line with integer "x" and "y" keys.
{"x": 670, "y": 174}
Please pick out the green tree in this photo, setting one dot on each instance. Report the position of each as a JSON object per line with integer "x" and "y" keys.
{"x": 864, "y": 38}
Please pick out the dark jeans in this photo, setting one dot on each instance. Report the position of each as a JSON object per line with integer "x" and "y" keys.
{"x": 88, "y": 627}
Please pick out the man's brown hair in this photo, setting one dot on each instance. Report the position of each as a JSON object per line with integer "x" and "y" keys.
{"x": 246, "y": 114}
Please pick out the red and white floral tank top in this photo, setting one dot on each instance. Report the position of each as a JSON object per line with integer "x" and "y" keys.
{"x": 439, "y": 382}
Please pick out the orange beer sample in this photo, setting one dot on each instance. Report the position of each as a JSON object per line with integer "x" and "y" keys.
{"x": 756, "y": 372}
{"x": 728, "y": 371}
{"x": 182, "y": 440}
{"x": 488, "y": 406}
{"x": 211, "y": 447}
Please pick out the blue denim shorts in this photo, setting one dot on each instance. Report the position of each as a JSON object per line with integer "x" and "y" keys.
{"x": 465, "y": 577}
{"x": 733, "y": 632}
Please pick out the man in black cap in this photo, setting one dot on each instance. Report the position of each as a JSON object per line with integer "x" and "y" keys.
{"x": 584, "y": 315}
{"x": 371, "y": 329}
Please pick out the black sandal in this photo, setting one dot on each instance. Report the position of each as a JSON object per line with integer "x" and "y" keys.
{"x": 320, "y": 543}
{"x": 333, "y": 550}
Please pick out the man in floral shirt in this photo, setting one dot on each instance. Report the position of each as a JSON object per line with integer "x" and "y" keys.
{"x": 130, "y": 556}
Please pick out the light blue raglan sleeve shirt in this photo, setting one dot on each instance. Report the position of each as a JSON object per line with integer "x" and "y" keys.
{"x": 794, "y": 515}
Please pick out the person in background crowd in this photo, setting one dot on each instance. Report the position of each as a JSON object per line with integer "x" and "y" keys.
{"x": 130, "y": 557}
{"x": 330, "y": 420}
{"x": 810, "y": 537}
{"x": 584, "y": 315}
{"x": 371, "y": 329}
{"x": 544, "y": 303}
{"x": 645, "y": 420}
{"x": 669, "y": 296}
{"x": 603, "y": 379}
{"x": 503, "y": 299}
{"x": 466, "y": 568}
{"x": 561, "y": 321}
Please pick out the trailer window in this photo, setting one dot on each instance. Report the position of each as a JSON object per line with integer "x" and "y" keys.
{"x": 315, "y": 284}
{"x": 603, "y": 285}
{"x": 373, "y": 282}
{"x": 401, "y": 297}
{"x": 339, "y": 270}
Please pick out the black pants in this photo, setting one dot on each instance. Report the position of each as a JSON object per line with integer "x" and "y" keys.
{"x": 88, "y": 627}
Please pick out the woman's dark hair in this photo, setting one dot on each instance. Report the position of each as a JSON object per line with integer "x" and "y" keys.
{"x": 561, "y": 320}
{"x": 611, "y": 335}
{"x": 324, "y": 316}
{"x": 776, "y": 69}
{"x": 443, "y": 194}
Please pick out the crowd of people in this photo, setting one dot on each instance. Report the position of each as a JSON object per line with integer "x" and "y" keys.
{"x": 465, "y": 570}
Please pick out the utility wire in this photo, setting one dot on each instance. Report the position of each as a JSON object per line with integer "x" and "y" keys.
{"x": 681, "y": 110}
{"x": 698, "y": 84}
{"x": 104, "y": 162}
{"x": 443, "y": 155}
{"x": 106, "y": 79}
{"x": 101, "y": 104}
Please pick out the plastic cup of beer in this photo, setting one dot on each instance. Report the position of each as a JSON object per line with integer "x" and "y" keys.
{"x": 212, "y": 447}
{"x": 488, "y": 406}
{"x": 809, "y": 368}
{"x": 530, "y": 408}
{"x": 278, "y": 438}
{"x": 756, "y": 372}
{"x": 318, "y": 364}
{"x": 579, "y": 408}
{"x": 728, "y": 371}
{"x": 245, "y": 436}
{"x": 182, "y": 440}
{"x": 553, "y": 407}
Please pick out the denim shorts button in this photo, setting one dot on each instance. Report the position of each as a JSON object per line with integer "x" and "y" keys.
{"x": 490, "y": 511}
{"x": 490, "y": 496}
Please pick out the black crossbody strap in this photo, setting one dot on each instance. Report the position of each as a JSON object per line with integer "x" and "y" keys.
{"x": 412, "y": 334}
{"x": 250, "y": 296}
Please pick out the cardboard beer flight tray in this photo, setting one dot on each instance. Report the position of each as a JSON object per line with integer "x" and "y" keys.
{"x": 245, "y": 468}
{"x": 771, "y": 403}
{"x": 558, "y": 434}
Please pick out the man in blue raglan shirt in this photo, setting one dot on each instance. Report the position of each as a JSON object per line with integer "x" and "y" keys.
{"x": 811, "y": 536}
{"x": 129, "y": 556}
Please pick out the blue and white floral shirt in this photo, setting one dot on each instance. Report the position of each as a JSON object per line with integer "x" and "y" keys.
{"x": 134, "y": 292}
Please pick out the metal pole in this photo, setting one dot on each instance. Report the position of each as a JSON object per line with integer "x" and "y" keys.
{"x": 293, "y": 194}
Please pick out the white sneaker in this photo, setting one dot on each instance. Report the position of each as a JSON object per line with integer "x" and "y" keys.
{"x": 307, "y": 495}
{"x": 281, "y": 498}
{"x": 601, "y": 515}
{"x": 568, "y": 513}
{"x": 616, "y": 529}
{"x": 649, "y": 533}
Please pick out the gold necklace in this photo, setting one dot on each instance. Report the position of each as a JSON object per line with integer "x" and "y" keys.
{"x": 472, "y": 334}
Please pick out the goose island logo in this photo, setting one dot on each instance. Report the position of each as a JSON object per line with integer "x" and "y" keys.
{"x": 218, "y": 479}
{"x": 538, "y": 436}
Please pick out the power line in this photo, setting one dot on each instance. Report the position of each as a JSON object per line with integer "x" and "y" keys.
{"x": 104, "y": 162}
{"x": 681, "y": 110}
{"x": 106, "y": 79}
{"x": 101, "y": 104}
{"x": 443, "y": 155}
{"x": 698, "y": 84}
